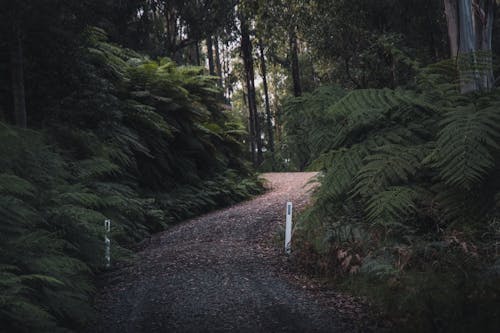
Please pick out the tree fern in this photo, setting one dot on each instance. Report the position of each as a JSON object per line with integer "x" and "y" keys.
{"x": 144, "y": 143}
{"x": 11, "y": 184}
{"x": 393, "y": 205}
{"x": 342, "y": 166}
{"x": 388, "y": 165}
{"x": 467, "y": 142}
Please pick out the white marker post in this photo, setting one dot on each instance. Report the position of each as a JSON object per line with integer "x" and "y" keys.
{"x": 107, "y": 243}
{"x": 288, "y": 229}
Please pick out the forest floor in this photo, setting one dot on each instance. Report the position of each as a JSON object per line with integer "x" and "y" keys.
{"x": 225, "y": 272}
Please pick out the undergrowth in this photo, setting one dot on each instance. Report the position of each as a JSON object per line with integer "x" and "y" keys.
{"x": 144, "y": 143}
{"x": 407, "y": 210}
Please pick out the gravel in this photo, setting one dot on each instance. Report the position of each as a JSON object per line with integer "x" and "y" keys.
{"x": 224, "y": 272}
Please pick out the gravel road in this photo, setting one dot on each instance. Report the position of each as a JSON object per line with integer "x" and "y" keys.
{"x": 222, "y": 272}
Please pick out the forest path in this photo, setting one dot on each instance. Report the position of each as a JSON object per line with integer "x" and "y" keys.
{"x": 222, "y": 272}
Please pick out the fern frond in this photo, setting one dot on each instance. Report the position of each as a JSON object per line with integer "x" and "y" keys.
{"x": 388, "y": 165}
{"x": 342, "y": 166}
{"x": 11, "y": 184}
{"x": 466, "y": 143}
{"x": 95, "y": 167}
{"x": 392, "y": 206}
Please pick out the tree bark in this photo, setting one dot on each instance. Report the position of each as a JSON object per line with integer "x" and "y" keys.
{"x": 294, "y": 52}
{"x": 218, "y": 68}
{"x": 451, "y": 13}
{"x": 467, "y": 48}
{"x": 251, "y": 131}
{"x": 225, "y": 68}
{"x": 171, "y": 29}
{"x": 210, "y": 56}
{"x": 17, "y": 75}
{"x": 269, "y": 122}
{"x": 197, "y": 53}
{"x": 193, "y": 53}
{"x": 253, "y": 120}
{"x": 486, "y": 19}
{"x": 471, "y": 32}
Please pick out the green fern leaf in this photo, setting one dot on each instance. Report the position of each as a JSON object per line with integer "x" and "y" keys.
{"x": 466, "y": 143}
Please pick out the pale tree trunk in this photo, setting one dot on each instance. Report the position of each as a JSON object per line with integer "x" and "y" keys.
{"x": 470, "y": 26}
{"x": 210, "y": 56}
{"x": 269, "y": 122}
{"x": 467, "y": 48}
{"x": 17, "y": 75}
{"x": 485, "y": 37}
{"x": 226, "y": 70}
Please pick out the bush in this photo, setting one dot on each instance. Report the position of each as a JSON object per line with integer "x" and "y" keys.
{"x": 144, "y": 143}
{"x": 408, "y": 202}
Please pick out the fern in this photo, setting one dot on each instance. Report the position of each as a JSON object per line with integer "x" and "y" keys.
{"x": 11, "y": 184}
{"x": 144, "y": 143}
{"x": 393, "y": 205}
{"x": 388, "y": 165}
{"x": 342, "y": 166}
{"x": 467, "y": 142}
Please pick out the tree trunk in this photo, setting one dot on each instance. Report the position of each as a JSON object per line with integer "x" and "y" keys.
{"x": 251, "y": 131}
{"x": 171, "y": 29}
{"x": 17, "y": 75}
{"x": 254, "y": 121}
{"x": 485, "y": 37}
{"x": 467, "y": 48}
{"x": 294, "y": 52}
{"x": 210, "y": 56}
{"x": 470, "y": 25}
{"x": 269, "y": 122}
{"x": 218, "y": 68}
{"x": 451, "y": 13}
{"x": 197, "y": 46}
{"x": 226, "y": 58}
{"x": 192, "y": 53}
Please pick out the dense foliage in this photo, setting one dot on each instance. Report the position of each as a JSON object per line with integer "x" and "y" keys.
{"x": 128, "y": 129}
{"x": 408, "y": 205}
{"x": 143, "y": 143}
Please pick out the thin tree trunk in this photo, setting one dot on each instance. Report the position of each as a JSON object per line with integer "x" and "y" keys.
{"x": 294, "y": 52}
{"x": 394, "y": 72}
{"x": 245, "y": 41}
{"x": 197, "y": 48}
{"x": 254, "y": 121}
{"x": 251, "y": 131}
{"x": 227, "y": 80}
{"x": 218, "y": 68}
{"x": 269, "y": 122}
{"x": 192, "y": 53}
{"x": 451, "y": 13}
{"x": 17, "y": 75}
{"x": 210, "y": 56}
{"x": 171, "y": 30}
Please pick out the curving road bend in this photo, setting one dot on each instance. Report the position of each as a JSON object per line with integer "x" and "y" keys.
{"x": 221, "y": 272}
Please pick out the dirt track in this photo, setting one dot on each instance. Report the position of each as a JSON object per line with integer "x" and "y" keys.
{"x": 221, "y": 272}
